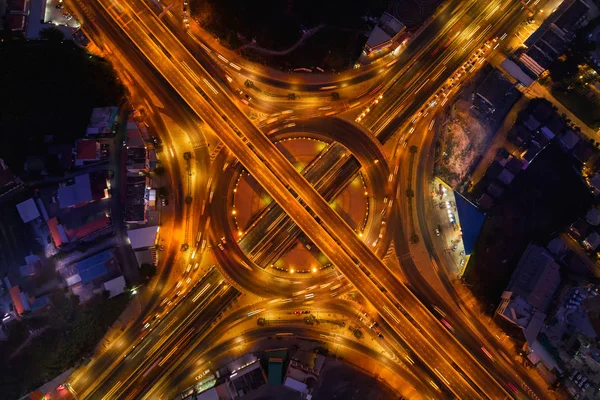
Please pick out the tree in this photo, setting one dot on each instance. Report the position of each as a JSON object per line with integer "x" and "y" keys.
{"x": 159, "y": 171}
{"x": 147, "y": 271}
{"x": 52, "y": 34}
{"x": 335, "y": 95}
{"x": 163, "y": 192}
{"x": 249, "y": 83}
{"x": 188, "y": 199}
{"x": 291, "y": 96}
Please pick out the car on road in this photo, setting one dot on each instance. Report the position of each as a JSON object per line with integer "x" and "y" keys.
{"x": 438, "y": 231}
{"x": 164, "y": 202}
{"x": 220, "y": 246}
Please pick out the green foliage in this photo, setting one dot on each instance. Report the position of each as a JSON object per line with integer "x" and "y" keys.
{"x": 72, "y": 84}
{"x": 147, "y": 271}
{"x": 52, "y": 34}
{"x": 188, "y": 199}
{"x": 335, "y": 95}
{"x": 73, "y": 331}
{"x": 291, "y": 96}
{"x": 159, "y": 171}
{"x": 162, "y": 192}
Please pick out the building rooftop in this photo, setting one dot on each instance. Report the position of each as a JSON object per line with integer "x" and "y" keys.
{"x": 87, "y": 150}
{"x": 28, "y": 210}
{"x": 536, "y": 277}
{"x": 102, "y": 120}
{"x": 94, "y": 267}
{"x": 471, "y": 221}
{"x": 142, "y": 237}
{"x": 568, "y": 19}
{"x": 115, "y": 286}
{"x": 76, "y": 194}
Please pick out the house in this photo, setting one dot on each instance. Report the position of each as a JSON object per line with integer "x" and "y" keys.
{"x": 485, "y": 202}
{"x": 568, "y": 139}
{"x": 19, "y": 300}
{"x": 529, "y": 292}
{"x": 102, "y": 121}
{"x": 495, "y": 95}
{"x": 495, "y": 189}
{"x": 17, "y": 15}
{"x": 387, "y": 31}
{"x": 506, "y": 176}
{"x": 90, "y": 269}
{"x": 77, "y": 194}
{"x": 592, "y": 241}
{"x": 584, "y": 151}
{"x": 580, "y": 229}
{"x": 556, "y": 247}
{"x": 135, "y": 200}
{"x": 28, "y": 210}
{"x": 516, "y": 71}
{"x": 514, "y": 165}
{"x": 87, "y": 150}
{"x": 520, "y": 135}
{"x": 115, "y": 286}
{"x": 547, "y": 133}
{"x": 143, "y": 237}
{"x": 531, "y": 123}
{"x": 536, "y": 277}
{"x": 60, "y": 158}
{"x": 593, "y": 216}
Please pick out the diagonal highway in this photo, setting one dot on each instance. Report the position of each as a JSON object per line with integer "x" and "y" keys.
{"x": 271, "y": 169}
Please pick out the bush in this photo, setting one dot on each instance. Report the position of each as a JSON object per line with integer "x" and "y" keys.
{"x": 147, "y": 271}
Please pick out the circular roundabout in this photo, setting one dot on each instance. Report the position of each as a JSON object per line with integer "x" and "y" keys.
{"x": 260, "y": 249}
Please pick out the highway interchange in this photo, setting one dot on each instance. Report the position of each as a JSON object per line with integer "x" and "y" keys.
{"x": 188, "y": 86}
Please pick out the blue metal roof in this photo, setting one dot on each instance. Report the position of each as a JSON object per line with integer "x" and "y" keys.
{"x": 471, "y": 221}
{"x": 94, "y": 266}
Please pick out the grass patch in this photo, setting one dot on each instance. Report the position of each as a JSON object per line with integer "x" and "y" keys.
{"x": 542, "y": 200}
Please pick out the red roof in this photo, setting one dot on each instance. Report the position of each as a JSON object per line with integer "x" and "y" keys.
{"x": 89, "y": 228}
{"x": 18, "y": 6}
{"x": 53, "y": 227}
{"x": 6, "y": 177}
{"x": 15, "y": 22}
{"x": 87, "y": 149}
{"x": 15, "y": 295}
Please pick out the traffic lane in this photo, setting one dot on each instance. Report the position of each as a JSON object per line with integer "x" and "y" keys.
{"x": 104, "y": 360}
{"x": 233, "y": 261}
{"x": 403, "y": 111}
{"x": 295, "y": 81}
{"x": 124, "y": 354}
{"x": 205, "y": 349}
{"x": 397, "y": 93}
{"x": 254, "y": 165}
{"x": 479, "y": 336}
{"x": 163, "y": 338}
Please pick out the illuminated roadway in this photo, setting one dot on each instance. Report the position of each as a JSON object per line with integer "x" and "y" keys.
{"x": 305, "y": 194}
{"x": 263, "y": 168}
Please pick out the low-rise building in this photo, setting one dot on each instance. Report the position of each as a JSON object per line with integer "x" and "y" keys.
{"x": 531, "y": 289}
{"x": 86, "y": 151}
{"x": 385, "y": 34}
{"x": 102, "y": 121}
